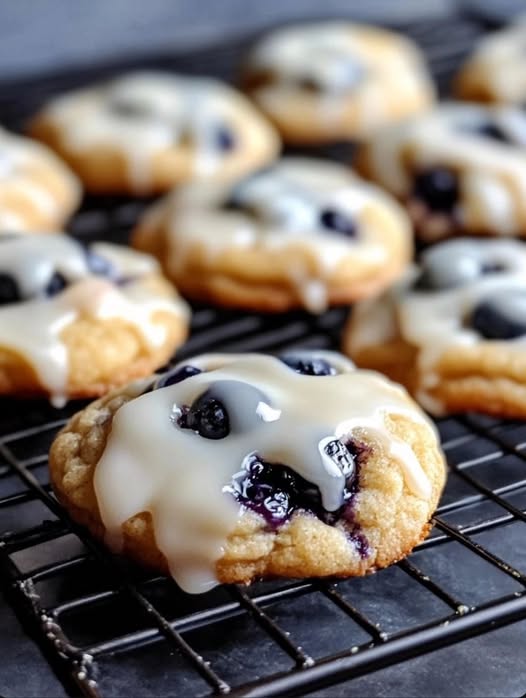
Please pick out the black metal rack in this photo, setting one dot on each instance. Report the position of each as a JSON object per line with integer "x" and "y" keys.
{"x": 108, "y": 628}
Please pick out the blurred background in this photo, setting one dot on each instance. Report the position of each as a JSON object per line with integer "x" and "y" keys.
{"x": 41, "y": 36}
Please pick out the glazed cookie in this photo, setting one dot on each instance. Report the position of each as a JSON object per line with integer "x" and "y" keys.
{"x": 75, "y": 322}
{"x": 336, "y": 80}
{"x": 145, "y": 132}
{"x": 37, "y": 190}
{"x": 459, "y": 169}
{"x": 302, "y": 233}
{"x": 496, "y": 72}
{"x": 234, "y": 473}
{"x": 454, "y": 331}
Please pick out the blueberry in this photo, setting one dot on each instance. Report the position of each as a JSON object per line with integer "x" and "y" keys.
{"x": 207, "y": 416}
{"x": 437, "y": 188}
{"x": 55, "y": 285}
{"x": 308, "y": 367}
{"x": 9, "y": 291}
{"x": 337, "y": 222}
{"x": 493, "y": 268}
{"x": 501, "y": 317}
{"x": 491, "y": 130}
{"x": 224, "y": 139}
{"x": 99, "y": 265}
{"x": 268, "y": 489}
{"x": 360, "y": 542}
{"x": 176, "y": 376}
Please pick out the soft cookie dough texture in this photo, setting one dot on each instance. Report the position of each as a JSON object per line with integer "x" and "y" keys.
{"x": 302, "y": 233}
{"x": 236, "y": 467}
{"x": 76, "y": 322}
{"x": 453, "y": 332}
{"x": 146, "y": 132}
{"x": 459, "y": 169}
{"x": 495, "y": 72}
{"x": 38, "y": 192}
{"x": 336, "y": 80}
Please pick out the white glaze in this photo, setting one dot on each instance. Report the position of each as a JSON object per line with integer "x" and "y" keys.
{"x": 492, "y": 174}
{"x": 284, "y": 417}
{"x": 434, "y": 320}
{"x": 175, "y": 107}
{"x": 281, "y": 212}
{"x": 19, "y": 159}
{"x": 345, "y": 61}
{"x": 33, "y": 327}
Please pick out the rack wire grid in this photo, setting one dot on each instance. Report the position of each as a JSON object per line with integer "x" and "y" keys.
{"x": 108, "y": 628}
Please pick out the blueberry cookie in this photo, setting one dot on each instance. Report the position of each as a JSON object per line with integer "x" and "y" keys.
{"x": 495, "y": 72}
{"x": 304, "y": 232}
{"x": 459, "y": 169}
{"x": 226, "y": 469}
{"x": 37, "y": 190}
{"x": 76, "y": 321}
{"x": 335, "y": 80}
{"x": 454, "y": 331}
{"x": 145, "y": 132}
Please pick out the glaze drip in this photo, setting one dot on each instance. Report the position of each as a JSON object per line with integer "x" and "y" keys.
{"x": 55, "y": 284}
{"x": 468, "y": 290}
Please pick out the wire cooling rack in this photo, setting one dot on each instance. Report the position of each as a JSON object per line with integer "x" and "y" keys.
{"x": 110, "y": 629}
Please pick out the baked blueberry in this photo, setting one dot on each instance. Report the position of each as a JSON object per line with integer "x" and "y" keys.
{"x": 9, "y": 291}
{"x": 491, "y": 130}
{"x": 224, "y": 138}
{"x": 56, "y": 284}
{"x": 437, "y": 188}
{"x": 308, "y": 366}
{"x": 275, "y": 491}
{"x": 337, "y": 222}
{"x": 176, "y": 376}
{"x": 343, "y": 457}
{"x": 502, "y": 316}
{"x": 207, "y": 416}
{"x": 267, "y": 489}
{"x": 493, "y": 268}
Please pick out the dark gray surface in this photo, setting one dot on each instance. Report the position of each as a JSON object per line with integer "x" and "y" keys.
{"x": 491, "y": 666}
{"x": 23, "y": 669}
{"x": 50, "y": 33}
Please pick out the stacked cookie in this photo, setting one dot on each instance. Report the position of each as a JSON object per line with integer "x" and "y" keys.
{"x": 307, "y": 464}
